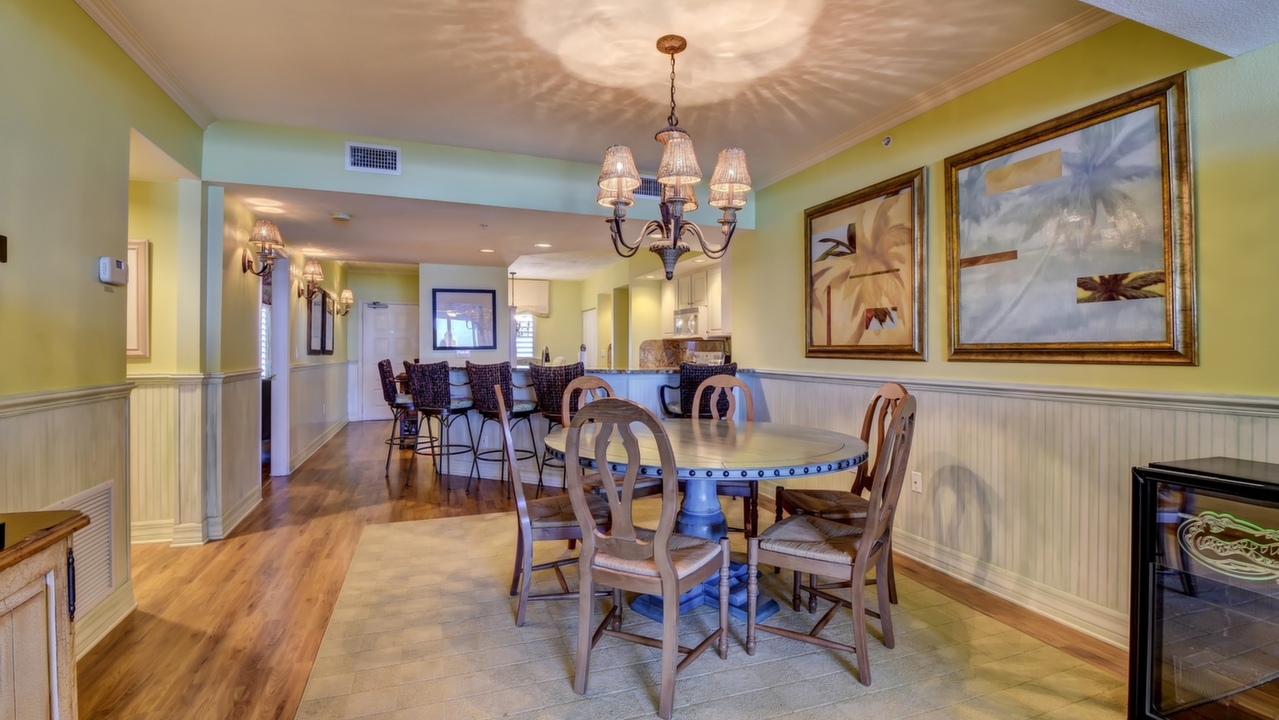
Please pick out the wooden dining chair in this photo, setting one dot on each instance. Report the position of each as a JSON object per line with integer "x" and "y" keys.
{"x": 810, "y": 544}
{"x": 625, "y": 557}
{"x": 722, "y": 404}
{"x": 851, "y": 506}
{"x": 541, "y": 518}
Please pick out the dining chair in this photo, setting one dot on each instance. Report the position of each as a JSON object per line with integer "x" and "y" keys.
{"x": 432, "y": 391}
{"x": 691, "y": 377}
{"x": 851, "y": 506}
{"x": 483, "y": 378}
{"x": 542, "y": 518}
{"x": 810, "y": 544}
{"x": 625, "y": 557}
{"x": 588, "y": 389}
{"x": 549, "y": 383}
{"x": 401, "y": 404}
{"x": 722, "y": 405}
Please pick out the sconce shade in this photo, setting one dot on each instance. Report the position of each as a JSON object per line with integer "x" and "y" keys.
{"x": 730, "y": 172}
{"x": 312, "y": 271}
{"x": 688, "y": 192}
{"x": 266, "y": 234}
{"x": 724, "y": 199}
{"x": 609, "y": 198}
{"x": 347, "y": 297}
{"x": 618, "y": 172}
{"x": 679, "y": 164}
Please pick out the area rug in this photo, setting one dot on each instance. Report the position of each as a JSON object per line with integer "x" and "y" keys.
{"x": 424, "y": 628}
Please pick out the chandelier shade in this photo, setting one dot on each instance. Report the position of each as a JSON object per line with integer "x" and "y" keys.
{"x": 730, "y": 172}
{"x": 618, "y": 173}
{"x": 725, "y": 199}
{"x": 610, "y": 198}
{"x": 312, "y": 271}
{"x": 679, "y": 164}
{"x": 680, "y": 190}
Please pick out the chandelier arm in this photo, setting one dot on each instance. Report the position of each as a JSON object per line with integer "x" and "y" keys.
{"x": 715, "y": 253}
{"x": 620, "y": 246}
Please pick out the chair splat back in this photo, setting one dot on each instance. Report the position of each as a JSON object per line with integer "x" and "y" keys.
{"x": 603, "y": 422}
{"x": 890, "y": 471}
{"x": 429, "y": 385}
{"x": 722, "y": 403}
{"x": 549, "y": 383}
{"x": 878, "y": 416}
{"x": 387, "y": 378}
{"x": 581, "y": 391}
{"x": 512, "y": 463}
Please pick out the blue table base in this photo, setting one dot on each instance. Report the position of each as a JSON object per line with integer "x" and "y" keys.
{"x": 650, "y": 606}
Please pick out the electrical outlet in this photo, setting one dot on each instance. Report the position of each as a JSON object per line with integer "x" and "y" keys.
{"x": 917, "y": 482}
{"x": 464, "y": 353}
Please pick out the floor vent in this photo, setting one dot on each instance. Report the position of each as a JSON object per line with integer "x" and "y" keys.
{"x": 363, "y": 157}
{"x": 649, "y": 187}
{"x": 92, "y": 546}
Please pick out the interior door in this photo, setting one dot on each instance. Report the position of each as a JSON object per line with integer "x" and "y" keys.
{"x": 386, "y": 331}
{"x": 590, "y": 336}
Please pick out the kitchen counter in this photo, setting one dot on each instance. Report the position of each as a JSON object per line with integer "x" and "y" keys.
{"x": 645, "y": 371}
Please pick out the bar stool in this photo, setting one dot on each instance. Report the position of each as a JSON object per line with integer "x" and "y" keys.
{"x": 400, "y": 405}
{"x": 483, "y": 378}
{"x": 691, "y": 377}
{"x": 430, "y": 387}
{"x": 549, "y": 384}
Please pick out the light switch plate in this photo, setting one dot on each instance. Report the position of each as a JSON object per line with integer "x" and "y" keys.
{"x": 917, "y": 482}
{"x": 464, "y": 353}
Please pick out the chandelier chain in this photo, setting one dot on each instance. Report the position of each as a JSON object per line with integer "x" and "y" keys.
{"x": 672, "y": 119}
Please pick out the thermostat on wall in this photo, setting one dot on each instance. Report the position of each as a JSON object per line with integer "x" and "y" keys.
{"x": 112, "y": 271}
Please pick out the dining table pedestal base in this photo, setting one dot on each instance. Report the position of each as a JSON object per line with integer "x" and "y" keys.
{"x": 650, "y": 606}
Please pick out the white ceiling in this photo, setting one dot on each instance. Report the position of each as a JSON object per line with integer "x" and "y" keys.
{"x": 1232, "y": 27}
{"x": 566, "y": 78}
{"x": 401, "y": 230}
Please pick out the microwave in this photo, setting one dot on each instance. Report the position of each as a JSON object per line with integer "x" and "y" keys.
{"x": 691, "y": 321}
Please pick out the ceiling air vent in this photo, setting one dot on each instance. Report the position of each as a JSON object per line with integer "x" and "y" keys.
{"x": 364, "y": 157}
{"x": 649, "y": 188}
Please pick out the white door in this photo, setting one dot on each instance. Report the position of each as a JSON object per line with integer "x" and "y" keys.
{"x": 386, "y": 332}
{"x": 590, "y": 336}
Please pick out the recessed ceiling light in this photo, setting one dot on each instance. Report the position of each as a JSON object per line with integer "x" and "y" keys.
{"x": 270, "y": 210}
{"x": 541, "y": 245}
{"x": 487, "y": 250}
{"x": 340, "y": 216}
{"x": 700, "y": 260}
{"x": 263, "y": 201}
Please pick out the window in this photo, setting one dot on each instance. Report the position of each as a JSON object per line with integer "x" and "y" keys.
{"x": 264, "y": 339}
{"x": 524, "y": 324}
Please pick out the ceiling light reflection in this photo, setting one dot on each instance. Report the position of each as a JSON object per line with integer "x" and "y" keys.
{"x": 269, "y": 210}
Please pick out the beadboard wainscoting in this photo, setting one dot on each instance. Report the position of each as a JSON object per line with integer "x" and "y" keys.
{"x": 57, "y": 445}
{"x": 1026, "y": 488}
{"x": 317, "y": 407}
{"x": 196, "y": 455}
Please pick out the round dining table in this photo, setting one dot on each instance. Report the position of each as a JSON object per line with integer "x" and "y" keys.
{"x": 709, "y": 451}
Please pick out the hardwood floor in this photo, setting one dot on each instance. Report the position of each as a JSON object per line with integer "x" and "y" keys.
{"x": 231, "y": 629}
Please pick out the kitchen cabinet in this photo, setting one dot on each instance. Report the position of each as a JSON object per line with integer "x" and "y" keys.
{"x": 714, "y": 305}
{"x": 668, "y": 309}
{"x": 697, "y": 288}
{"x": 683, "y": 291}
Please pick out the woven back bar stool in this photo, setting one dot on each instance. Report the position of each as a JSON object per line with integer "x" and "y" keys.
{"x": 549, "y": 383}
{"x": 401, "y": 404}
{"x": 431, "y": 388}
{"x": 691, "y": 377}
{"x": 483, "y": 380}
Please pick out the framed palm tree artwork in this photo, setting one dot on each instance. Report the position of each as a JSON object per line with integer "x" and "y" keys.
{"x": 865, "y": 272}
{"x": 1073, "y": 241}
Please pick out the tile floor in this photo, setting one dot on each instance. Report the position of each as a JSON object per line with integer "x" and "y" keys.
{"x": 424, "y": 628}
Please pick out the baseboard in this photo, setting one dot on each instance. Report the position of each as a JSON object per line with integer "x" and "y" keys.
{"x": 1089, "y": 618}
{"x": 219, "y": 528}
{"x": 150, "y": 531}
{"x": 305, "y": 454}
{"x": 94, "y": 625}
{"x": 189, "y": 534}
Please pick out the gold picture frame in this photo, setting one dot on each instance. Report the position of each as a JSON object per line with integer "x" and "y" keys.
{"x": 864, "y": 273}
{"x": 1073, "y": 241}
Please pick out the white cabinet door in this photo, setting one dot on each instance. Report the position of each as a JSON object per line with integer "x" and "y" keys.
{"x": 683, "y": 289}
{"x": 714, "y": 304}
{"x": 697, "y": 296}
{"x": 668, "y": 309}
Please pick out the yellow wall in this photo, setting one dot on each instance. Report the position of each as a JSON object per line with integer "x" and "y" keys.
{"x": 1235, "y": 127}
{"x": 241, "y": 291}
{"x": 561, "y": 331}
{"x": 70, "y": 96}
{"x": 334, "y": 280}
{"x": 376, "y": 286}
{"x": 463, "y": 277}
{"x": 646, "y": 314}
{"x": 153, "y": 216}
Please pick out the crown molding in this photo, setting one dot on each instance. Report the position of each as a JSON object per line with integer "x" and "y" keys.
{"x": 118, "y": 27}
{"x": 1083, "y": 25}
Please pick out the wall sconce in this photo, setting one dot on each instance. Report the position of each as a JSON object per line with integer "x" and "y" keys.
{"x": 346, "y": 300}
{"x": 267, "y": 237}
{"x": 313, "y": 274}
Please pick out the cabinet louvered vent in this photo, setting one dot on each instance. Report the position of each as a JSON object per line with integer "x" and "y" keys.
{"x": 92, "y": 546}
{"x": 649, "y": 187}
{"x": 363, "y": 157}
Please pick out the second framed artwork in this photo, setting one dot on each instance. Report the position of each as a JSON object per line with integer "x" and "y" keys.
{"x": 864, "y": 276}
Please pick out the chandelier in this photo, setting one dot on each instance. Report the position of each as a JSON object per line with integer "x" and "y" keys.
{"x": 677, "y": 175}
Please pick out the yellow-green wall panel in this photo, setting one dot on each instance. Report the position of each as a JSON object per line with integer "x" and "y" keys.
{"x": 376, "y": 287}
{"x": 334, "y": 280}
{"x": 153, "y": 216}
{"x": 561, "y": 331}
